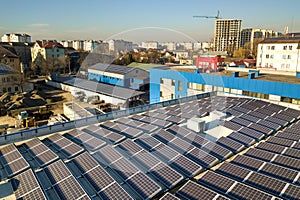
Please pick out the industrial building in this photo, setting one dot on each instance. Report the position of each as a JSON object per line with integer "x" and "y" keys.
{"x": 199, "y": 147}
{"x": 124, "y": 76}
{"x": 167, "y": 82}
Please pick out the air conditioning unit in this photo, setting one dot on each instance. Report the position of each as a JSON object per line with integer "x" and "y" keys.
{"x": 196, "y": 124}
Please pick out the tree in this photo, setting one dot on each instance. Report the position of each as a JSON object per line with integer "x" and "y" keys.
{"x": 241, "y": 53}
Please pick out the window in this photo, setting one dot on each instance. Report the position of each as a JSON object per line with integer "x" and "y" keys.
{"x": 268, "y": 47}
{"x": 173, "y": 83}
{"x": 7, "y": 79}
{"x": 11, "y": 60}
{"x": 285, "y": 47}
{"x": 161, "y": 81}
{"x": 260, "y": 55}
{"x": 161, "y": 94}
{"x": 286, "y": 99}
{"x": 267, "y": 56}
{"x": 9, "y": 89}
{"x": 4, "y": 90}
{"x": 282, "y": 66}
{"x": 271, "y": 56}
{"x": 16, "y": 89}
{"x": 272, "y": 47}
{"x": 289, "y": 57}
{"x": 179, "y": 85}
{"x": 283, "y": 56}
{"x": 57, "y": 50}
{"x": 287, "y": 66}
{"x": 290, "y": 47}
{"x": 172, "y": 96}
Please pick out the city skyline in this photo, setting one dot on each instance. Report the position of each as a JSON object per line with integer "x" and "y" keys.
{"x": 140, "y": 20}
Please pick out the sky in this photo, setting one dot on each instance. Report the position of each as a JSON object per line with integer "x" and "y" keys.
{"x": 141, "y": 20}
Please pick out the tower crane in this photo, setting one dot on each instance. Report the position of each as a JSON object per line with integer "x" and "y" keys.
{"x": 216, "y": 17}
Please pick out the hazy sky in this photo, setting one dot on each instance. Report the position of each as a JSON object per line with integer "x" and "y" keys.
{"x": 138, "y": 20}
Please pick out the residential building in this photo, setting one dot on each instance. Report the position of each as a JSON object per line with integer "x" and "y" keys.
{"x": 184, "y": 46}
{"x": 119, "y": 45}
{"x": 174, "y": 82}
{"x": 118, "y": 75}
{"x": 249, "y": 35}
{"x": 67, "y": 43}
{"x": 150, "y": 45}
{"x": 279, "y": 53}
{"x": 8, "y": 57}
{"x": 78, "y": 44}
{"x": 50, "y": 53}
{"x": 9, "y": 79}
{"x": 170, "y": 46}
{"x": 21, "y": 49}
{"x": 227, "y": 36}
{"x": 16, "y": 37}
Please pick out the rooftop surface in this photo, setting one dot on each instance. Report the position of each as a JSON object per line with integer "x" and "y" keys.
{"x": 153, "y": 155}
{"x": 275, "y": 76}
{"x": 118, "y": 69}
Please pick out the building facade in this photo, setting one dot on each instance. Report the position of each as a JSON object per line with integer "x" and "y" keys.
{"x": 250, "y": 34}
{"x": 16, "y": 37}
{"x": 118, "y": 75}
{"x": 227, "y": 36}
{"x": 8, "y": 57}
{"x": 9, "y": 79}
{"x": 48, "y": 55}
{"x": 279, "y": 54}
{"x": 150, "y": 45}
{"x": 119, "y": 45}
{"x": 167, "y": 84}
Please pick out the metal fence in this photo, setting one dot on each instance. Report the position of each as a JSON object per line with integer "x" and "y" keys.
{"x": 65, "y": 126}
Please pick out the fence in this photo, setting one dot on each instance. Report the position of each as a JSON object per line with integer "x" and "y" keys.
{"x": 64, "y": 126}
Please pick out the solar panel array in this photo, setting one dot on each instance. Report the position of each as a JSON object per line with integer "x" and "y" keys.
{"x": 26, "y": 186}
{"x": 65, "y": 147}
{"x": 12, "y": 160}
{"x": 153, "y": 155}
{"x": 40, "y": 152}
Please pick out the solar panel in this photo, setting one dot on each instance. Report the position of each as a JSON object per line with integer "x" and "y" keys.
{"x": 164, "y": 152}
{"x": 288, "y": 135}
{"x": 232, "y": 125}
{"x": 282, "y": 116}
{"x": 291, "y": 192}
{"x": 107, "y": 155}
{"x": 247, "y": 162}
{"x": 241, "y": 191}
{"x": 12, "y": 161}
{"x": 164, "y": 136}
{"x": 266, "y": 183}
{"x": 99, "y": 178}
{"x": 145, "y": 159}
{"x": 271, "y": 147}
{"x": 288, "y": 162}
{"x": 230, "y": 144}
{"x": 257, "y": 115}
{"x": 85, "y": 162}
{"x": 260, "y": 154}
{"x": 252, "y": 133}
{"x": 238, "y": 137}
{"x": 241, "y": 121}
{"x": 266, "y": 111}
{"x": 269, "y": 124}
{"x": 166, "y": 175}
{"x": 128, "y": 147}
{"x": 280, "y": 141}
{"x": 202, "y": 158}
{"x": 144, "y": 186}
{"x": 147, "y": 128}
{"x": 185, "y": 166}
{"x": 194, "y": 191}
{"x": 279, "y": 172}
{"x": 149, "y": 120}
{"x": 276, "y": 120}
{"x": 294, "y": 153}
{"x": 71, "y": 150}
{"x": 114, "y": 191}
{"x": 216, "y": 181}
{"x": 292, "y": 130}
{"x": 57, "y": 171}
{"x": 147, "y": 142}
{"x": 124, "y": 168}
{"x": 292, "y": 112}
{"x": 233, "y": 171}
{"x": 263, "y": 129}
{"x": 69, "y": 188}
{"x": 250, "y": 118}
{"x": 217, "y": 150}
{"x": 26, "y": 185}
